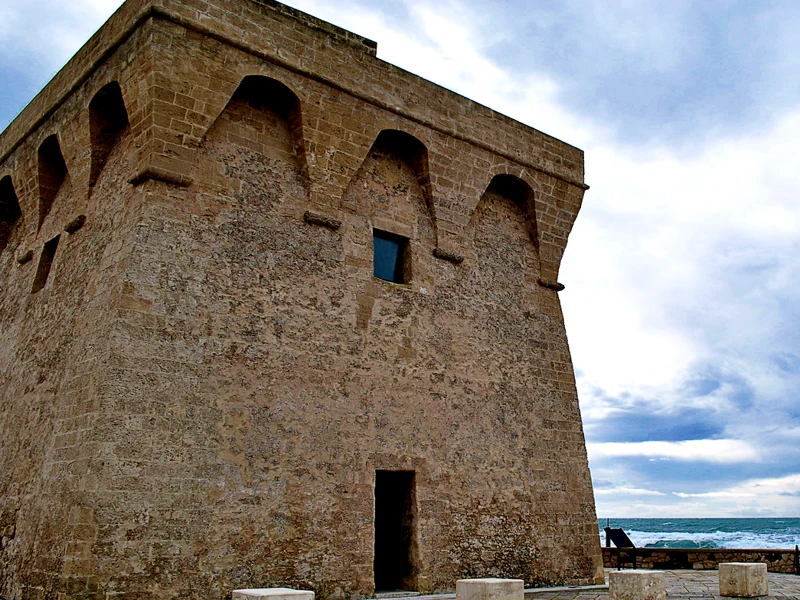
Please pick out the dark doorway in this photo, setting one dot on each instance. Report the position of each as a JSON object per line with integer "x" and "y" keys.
{"x": 395, "y": 530}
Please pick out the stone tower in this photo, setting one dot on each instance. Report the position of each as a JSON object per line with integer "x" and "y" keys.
{"x": 277, "y": 313}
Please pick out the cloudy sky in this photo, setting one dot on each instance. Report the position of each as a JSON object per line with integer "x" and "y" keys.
{"x": 683, "y": 270}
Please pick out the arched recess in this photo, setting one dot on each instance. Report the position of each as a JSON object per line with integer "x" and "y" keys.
{"x": 263, "y": 116}
{"x": 393, "y": 185}
{"x": 52, "y": 173}
{"x": 108, "y": 120}
{"x": 504, "y": 233}
{"x": 10, "y": 212}
{"x": 393, "y": 178}
{"x": 394, "y": 147}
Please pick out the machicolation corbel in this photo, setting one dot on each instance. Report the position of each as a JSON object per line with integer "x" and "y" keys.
{"x": 322, "y": 220}
{"x": 25, "y": 257}
{"x": 550, "y": 285}
{"x": 452, "y": 257}
{"x": 75, "y": 224}
{"x": 151, "y": 172}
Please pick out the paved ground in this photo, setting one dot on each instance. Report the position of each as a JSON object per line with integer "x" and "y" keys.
{"x": 680, "y": 584}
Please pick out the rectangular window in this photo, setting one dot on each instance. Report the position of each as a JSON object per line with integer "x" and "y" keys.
{"x": 389, "y": 256}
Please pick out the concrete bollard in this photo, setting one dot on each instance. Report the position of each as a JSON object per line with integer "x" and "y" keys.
{"x": 744, "y": 580}
{"x": 490, "y": 589}
{"x": 272, "y": 594}
{"x": 637, "y": 585}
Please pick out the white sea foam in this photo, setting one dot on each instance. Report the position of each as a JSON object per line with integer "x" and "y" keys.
{"x": 719, "y": 539}
{"x": 781, "y": 533}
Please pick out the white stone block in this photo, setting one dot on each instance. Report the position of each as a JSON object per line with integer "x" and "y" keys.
{"x": 637, "y": 585}
{"x": 745, "y": 580}
{"x": 490, "y": 589}
{"x": 272, "y": 594}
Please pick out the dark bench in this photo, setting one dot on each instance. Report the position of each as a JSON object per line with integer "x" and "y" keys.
{"x": 623, "y": 543}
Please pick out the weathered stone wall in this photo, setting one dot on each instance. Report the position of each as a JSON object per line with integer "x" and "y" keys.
{"x": 200, "y": 395}
{"x": 54, "y": 344}
{"x": 778, "y": 561}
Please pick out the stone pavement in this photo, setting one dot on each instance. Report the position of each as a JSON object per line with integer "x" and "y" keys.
{"x": 680, "y": 584}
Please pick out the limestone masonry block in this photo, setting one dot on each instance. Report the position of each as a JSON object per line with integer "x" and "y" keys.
{"x": 637, "y": 585}
{"x": 272, "y": 594}
{"x": 745, "y": 580}
{"x": 490, "y": 589}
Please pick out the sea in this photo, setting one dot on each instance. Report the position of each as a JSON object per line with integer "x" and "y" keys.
{"x": 708, "y": 533}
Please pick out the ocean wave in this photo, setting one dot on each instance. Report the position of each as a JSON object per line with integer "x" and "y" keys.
{"x": 716, "y": 539}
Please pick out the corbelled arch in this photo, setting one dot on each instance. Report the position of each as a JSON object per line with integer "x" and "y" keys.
{"x": 396, "y": 144}
{"x": 108, "y": 121}
{"x": 10, "y": 213}
{"x": 391, "y": 191}
{"x": 534, "y": 194}
{"x": 505, "y": 210}
{"x": 52, "y": 170}
{"x": 521, "y": 193}
{"x": 556, "y": 205}
{"x": 273, "y": 100}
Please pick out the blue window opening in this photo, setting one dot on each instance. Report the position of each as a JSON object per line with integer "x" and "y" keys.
{"x": 389, "y": 256}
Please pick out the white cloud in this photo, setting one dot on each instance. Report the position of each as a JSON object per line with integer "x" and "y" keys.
{"x": 447, "y": 45}
{"x": 714, "y": 495}
{"x": 658, "y": 237}
{"x": 713, "y": 451}
{"x": 788, "y": 485}
{"x": 629, "y": 27}
{"x": 48, "y": 32}
{"x": 776, "y": 496}
{"x": 628, "y": 491}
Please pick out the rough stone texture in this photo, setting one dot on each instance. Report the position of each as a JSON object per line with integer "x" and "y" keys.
{"x": 637, "y": 585}
{"x": 490, "y": 588}
{"x": 682, "y": 585}
{"x": 199, "y": 395}
{"x": 272, "y": 594}
{"x": 777, "y": 561}
{"x": 746, "y": 580}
